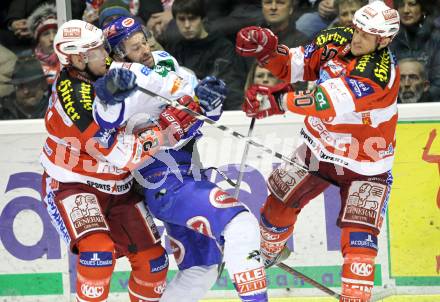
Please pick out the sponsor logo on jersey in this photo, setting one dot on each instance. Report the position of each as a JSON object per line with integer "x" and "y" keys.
{"x": 65, "y": 89}
{"x": 321, "y": 101}
{"x": 309, "y": 49}
{"x": 84, "y": 213}
{"x": 92, "y": 291}
{"x": 250, "y": 281}
{"x": 363, "y": 240}
{"x": 145, "y": 70}
{"x": 339, "y": 36}
{"x": 361, "y": 269}
{"x": 361, "y": 64}
{"x": 56, "y": 217}
{"x": 200, "y": 224}
{"x": 148, "y": 138}
{"x": 220, "y": 199}
{"x": 159, "y": 264}
{"x": 86, "y": 96}
{"x": 366, "y": 118}
{"x": 375, "y": 66}
{"x": 106, "y": 137}
{"x": 382, "y": 68}
{"x": 364, "y": 203}
{"x": 359, "y": 89}
{"x": 389, "y": 151}
{"x": 110, "y": 188}
{"x": 96, "y": 259}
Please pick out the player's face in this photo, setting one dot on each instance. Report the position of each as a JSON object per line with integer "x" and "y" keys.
{"x": 138, "y": 50}
{"x": 96, "y": 59}
{"x": 45, "y": 40}
{"x": 190, "y": 26}
{"x": 346, "y": 13}
{"x": 363, "y": 43}
{"x": 264, "y": 77}
{"x": 410, "y": 12}
{"x": 276, "y": 11}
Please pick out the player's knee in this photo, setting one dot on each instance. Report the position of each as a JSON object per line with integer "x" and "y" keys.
{"x": 355, "y": 240}
{"x": 278, "y": 213}
{"x": 96, "y": 262}
{"x": 96, "y": 242}
{"x": 149, "y": 270}
{"x": 243, "y": 227}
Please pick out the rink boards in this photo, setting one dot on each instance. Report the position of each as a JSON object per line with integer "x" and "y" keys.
{"x": 35, "y": 265}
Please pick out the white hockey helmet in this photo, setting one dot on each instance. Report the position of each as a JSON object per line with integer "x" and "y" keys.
{"x": 75, "y": 37}
{"x": 378, "y": 19}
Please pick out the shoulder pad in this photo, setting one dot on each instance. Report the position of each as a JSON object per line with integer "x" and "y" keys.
{"x": 76, "y": 98}
{"x": 337, "y": 35}
{"x": 375, "y": 66}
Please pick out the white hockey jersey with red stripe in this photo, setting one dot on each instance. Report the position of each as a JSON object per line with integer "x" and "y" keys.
{"x": 353, "y": 117}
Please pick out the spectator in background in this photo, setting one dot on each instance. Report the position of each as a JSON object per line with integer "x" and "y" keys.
{"x": 31, "y": 91}
{"x": 111, "y": 10}
{"x": 312, "y": 23}
{"x": 206, "y": 53}
{"x": 278, "y": 17}
{"x": 229, "y": 16}
{"x": 261, "y": 76}
{"x": 345, "y": 10}
{"x": 7, "y": 63}
{"x": 43, "y": 25}
{"x": 16, "y": 20}
{"x": 414, "y": 84}
{"x": 418, "y": 38}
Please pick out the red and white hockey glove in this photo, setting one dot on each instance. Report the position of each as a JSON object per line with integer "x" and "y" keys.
{"x": 262, "y": 101}
{"x": 176, "y": 121}
{"x": 254, "y": 41}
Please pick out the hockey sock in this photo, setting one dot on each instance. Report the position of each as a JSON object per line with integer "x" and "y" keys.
{"x": 148, "y": 277}
{"x": 242, "y": 243}
{"x": 276, "y": 226}
{"x": 96, "y": 262}
{"x": 359, "y": 248}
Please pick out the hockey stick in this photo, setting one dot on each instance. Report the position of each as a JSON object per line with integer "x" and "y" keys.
{"x": 228, "y": 130}
{"x": 243, "y": 160}
{"x": 316, "y": 284}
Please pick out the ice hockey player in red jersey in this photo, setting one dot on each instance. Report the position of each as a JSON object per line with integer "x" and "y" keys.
{"x": 87, "y": 184}
{"x": 348, "y": 138}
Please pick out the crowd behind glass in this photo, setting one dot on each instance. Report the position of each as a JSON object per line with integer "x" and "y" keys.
{"x": 28, "y": 64}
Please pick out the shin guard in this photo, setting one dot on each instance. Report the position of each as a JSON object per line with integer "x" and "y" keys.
{"x": 96, "y": 262}
{"x": 359, "y": 249}
{"x": 148, "y": 277}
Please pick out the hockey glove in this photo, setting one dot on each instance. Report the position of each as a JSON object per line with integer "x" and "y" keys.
{"x": 262, "y": 101}
{"x": 211, "y": 93}
{"x": 178, "y": 123}
{"x": 115, "y": 86}
{"x": 254, "y": 41}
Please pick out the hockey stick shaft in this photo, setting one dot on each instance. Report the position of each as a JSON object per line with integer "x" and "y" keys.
{"x": 228, "y": 130}
{"x": 316, "y": 284}
{"x": 243, "y": 160}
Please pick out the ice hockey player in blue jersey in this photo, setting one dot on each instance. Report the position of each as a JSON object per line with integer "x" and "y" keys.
{"x": 201, "y": 219}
